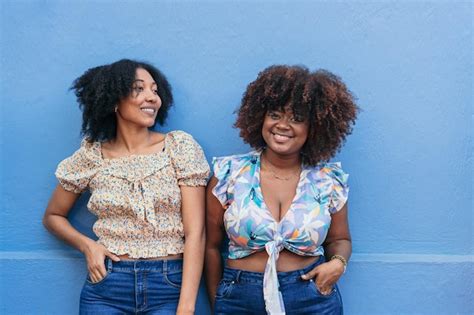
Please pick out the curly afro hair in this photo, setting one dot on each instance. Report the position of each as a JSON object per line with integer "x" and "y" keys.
{"x": 100, "y": 89}
{"x": 320, "y": 96}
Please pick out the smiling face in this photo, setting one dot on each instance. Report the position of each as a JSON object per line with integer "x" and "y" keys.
{"x": 142, "y": 105}
{"x": 284, "y": 133}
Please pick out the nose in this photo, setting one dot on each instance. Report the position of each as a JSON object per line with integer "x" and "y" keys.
{"x": 283, "y": 123}
{"x": 151, "y": 97}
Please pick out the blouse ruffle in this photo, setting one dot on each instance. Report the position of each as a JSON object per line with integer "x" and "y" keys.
{"x": 336, "y": 188}
{"x": 226, "y": 169}
{"x": 75, "y": 172}
{"x": 188, "y": 159}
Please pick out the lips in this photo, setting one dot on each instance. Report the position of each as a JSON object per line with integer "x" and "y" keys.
{"x": 149, "y": 110}
{"x": 281, "y": 137}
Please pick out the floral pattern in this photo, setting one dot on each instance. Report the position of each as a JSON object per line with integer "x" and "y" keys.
{"x": 321, "y": 191}
{"x": 136, "y": 198}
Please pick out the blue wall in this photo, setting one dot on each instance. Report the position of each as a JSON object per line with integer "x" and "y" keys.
{"x": 410, "y": 156}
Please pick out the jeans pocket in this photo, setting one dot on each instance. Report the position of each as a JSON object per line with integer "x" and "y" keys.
{"x": 224, "y": 289}
{"x": 90, "y": 282}
{"x": 174, "y": 279}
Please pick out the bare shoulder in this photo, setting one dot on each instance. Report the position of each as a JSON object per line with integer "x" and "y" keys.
{"x": 157, "y": 137}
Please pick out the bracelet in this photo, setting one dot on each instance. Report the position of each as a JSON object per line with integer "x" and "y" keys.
{"x": 341, "y": 259}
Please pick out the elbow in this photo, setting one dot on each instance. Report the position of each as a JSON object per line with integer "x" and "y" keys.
{"x": 341, "y": 240}
{"x": 46, "y": 222}
{"x": 196, "y": 236}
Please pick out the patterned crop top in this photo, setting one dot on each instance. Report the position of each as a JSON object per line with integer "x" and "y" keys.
{"x": 321, "y": 191}
{"x": 136, "y": 198}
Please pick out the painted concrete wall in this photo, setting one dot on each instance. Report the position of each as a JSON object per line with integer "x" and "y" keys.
{"x": 410, "y": 156}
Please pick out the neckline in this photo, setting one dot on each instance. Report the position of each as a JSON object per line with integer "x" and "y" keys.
{"x": 258, "y": 186}
{"x": 132, "y": 156}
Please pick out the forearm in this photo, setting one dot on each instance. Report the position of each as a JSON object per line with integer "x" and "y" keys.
{"x": 193, "y": 260}
{"x": 60, "y": 227}
{"x": 213, "y": 272}
{"x": 341, "y": 247}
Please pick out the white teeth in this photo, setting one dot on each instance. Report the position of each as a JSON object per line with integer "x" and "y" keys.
{"x": 148, "y": 110}
{"x": 281, "y": 138}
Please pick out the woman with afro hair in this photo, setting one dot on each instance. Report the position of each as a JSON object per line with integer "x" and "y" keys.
{"x": 147, "y": 191}
{"x": 283, "y": 205}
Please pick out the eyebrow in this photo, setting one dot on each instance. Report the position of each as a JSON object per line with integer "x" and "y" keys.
{"x": 140, "y": 80}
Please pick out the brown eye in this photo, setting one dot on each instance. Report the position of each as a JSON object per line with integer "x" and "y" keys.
{"x": 297, "y": 119}
{"x": 274, "y": 115}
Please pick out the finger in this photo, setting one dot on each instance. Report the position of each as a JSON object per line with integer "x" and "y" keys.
{"x": 112, "y": 256}
{"x": 311, "y": 274}
{"x": 94, "y": 277}
{"x": 102, "y": 271}
{"x": 91, "y": 277}
{"x": 324, "y": 284}
{"x": 326, "y": 291}
{"x": 98, "y": 275}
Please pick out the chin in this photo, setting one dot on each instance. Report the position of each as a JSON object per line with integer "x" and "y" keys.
{"x": 148, "y": 123}
{"x": 279, "y": 150}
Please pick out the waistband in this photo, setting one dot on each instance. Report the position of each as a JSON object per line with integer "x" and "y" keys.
{"x": 162, "y": 266}
{"x": 243, "y": 276}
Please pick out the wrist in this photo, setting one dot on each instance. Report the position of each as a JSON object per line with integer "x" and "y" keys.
{"x": 340, "y": 260}
{"x": 185, "y": 308}
{"x": 86, "y": 245}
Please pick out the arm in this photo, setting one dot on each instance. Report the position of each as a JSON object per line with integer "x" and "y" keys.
{"x": 55, "y": 220}
{"x": 214, "y": 237}
{"x": 193, "y": 221}
{"x": 338, "y": 242}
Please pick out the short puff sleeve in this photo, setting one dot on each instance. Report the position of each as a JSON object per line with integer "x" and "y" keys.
{"x": 339, "y": 190}
{"x": 222, "y": 168}
{"x": 75, "y": 172}
{"x": 188, "y": 159}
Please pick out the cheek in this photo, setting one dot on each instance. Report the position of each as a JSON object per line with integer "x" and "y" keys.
{"x": 266, "y": 127}
{"x": 304, "y": 133}
{"x": 127, "y": 110}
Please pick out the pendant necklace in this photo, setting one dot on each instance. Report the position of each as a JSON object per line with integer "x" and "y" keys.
{"x": 276, "y": 175}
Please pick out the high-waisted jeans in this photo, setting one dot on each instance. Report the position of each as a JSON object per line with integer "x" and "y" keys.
{"x": 134, "y": 287}
{"x": 241, "y": 292}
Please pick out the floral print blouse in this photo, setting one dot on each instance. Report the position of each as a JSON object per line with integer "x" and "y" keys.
{"x": 136, "y": 198}
{"x": 321, "y": 191}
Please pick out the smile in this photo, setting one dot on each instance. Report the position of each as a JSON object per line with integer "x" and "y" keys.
{"x": 281, "y": 137}
{"x": 148, "y": 110}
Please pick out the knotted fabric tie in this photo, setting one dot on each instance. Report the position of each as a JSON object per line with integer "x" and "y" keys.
{"x": 271, "y": 292}
{"x": 141, "y": 205}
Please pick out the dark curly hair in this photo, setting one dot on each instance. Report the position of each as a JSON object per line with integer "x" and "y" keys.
{"x": 319, "y": 96}
{"x": 100, "y": 89}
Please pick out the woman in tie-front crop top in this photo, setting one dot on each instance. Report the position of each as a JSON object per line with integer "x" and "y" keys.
{"x": 147, "y": 192}
{"x": 282, "y": 206}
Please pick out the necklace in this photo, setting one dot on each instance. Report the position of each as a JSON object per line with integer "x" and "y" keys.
{"x": 275, "y": 175}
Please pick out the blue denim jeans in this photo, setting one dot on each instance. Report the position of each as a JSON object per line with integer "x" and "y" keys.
{"x": 241, "y": 292}
{"x": 134, "y": 287}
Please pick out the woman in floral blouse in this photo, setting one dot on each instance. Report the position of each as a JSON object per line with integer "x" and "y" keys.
{"x": 147, "y": 191}
{"x": 283, "y": 206}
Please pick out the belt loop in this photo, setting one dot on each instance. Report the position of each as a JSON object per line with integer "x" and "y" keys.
{"x": 109, "y": 264}
{"x": 301, "y": 272}
{"x": 165, "y": 267}
{"x": 237, "y": 276}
